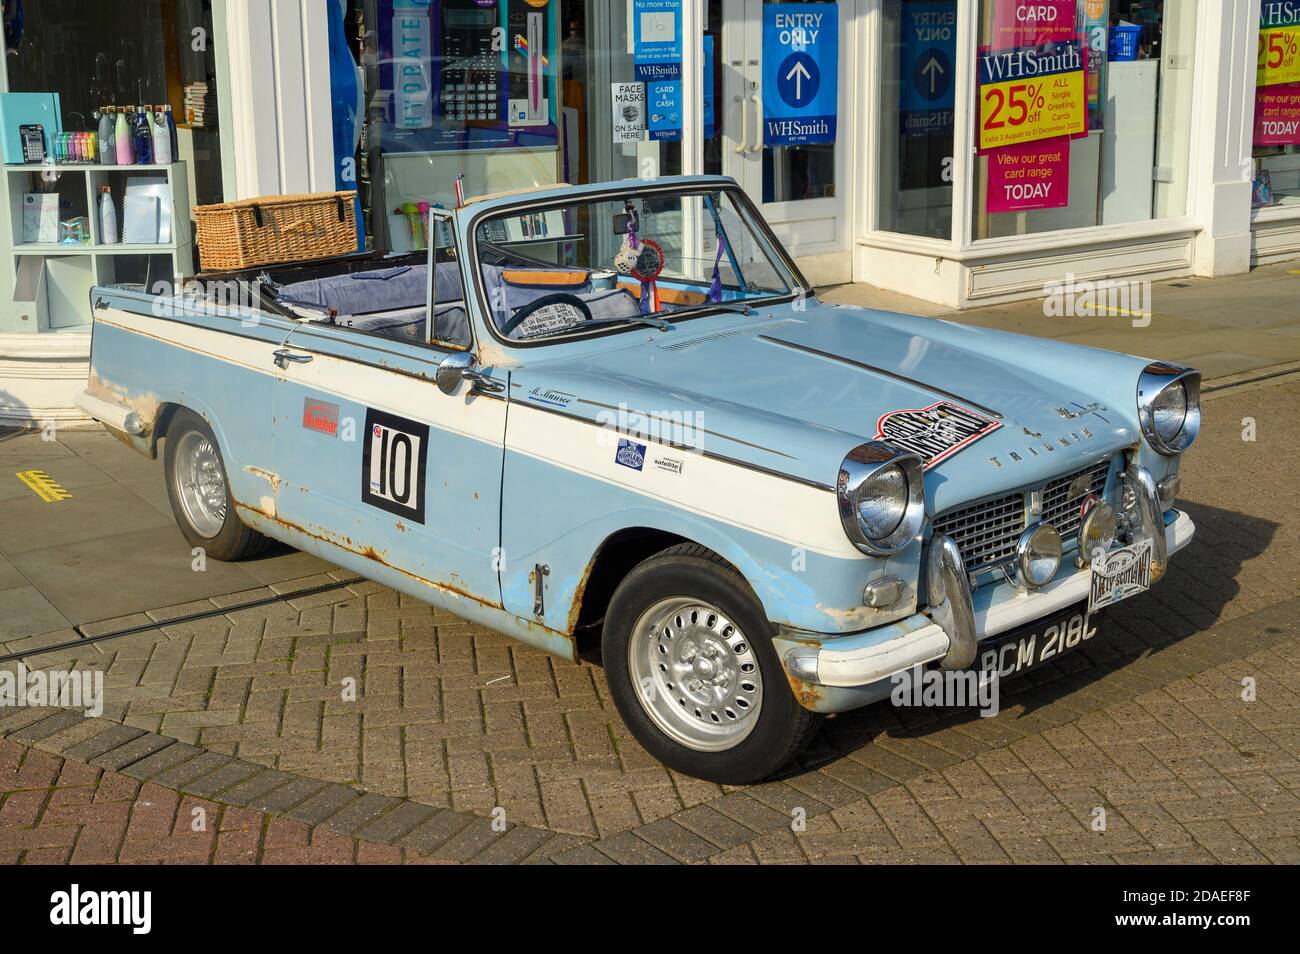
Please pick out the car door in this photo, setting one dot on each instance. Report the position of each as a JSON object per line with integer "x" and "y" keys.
{"x": 372, "y": 458}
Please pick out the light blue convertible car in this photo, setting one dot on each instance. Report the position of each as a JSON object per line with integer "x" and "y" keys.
{"x": 614, "y": 422}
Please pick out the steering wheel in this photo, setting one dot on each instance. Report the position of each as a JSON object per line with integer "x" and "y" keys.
{"x": 558, "y": 301}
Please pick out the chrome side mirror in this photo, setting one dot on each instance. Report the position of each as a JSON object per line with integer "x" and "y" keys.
{"x": 458, "y": 367}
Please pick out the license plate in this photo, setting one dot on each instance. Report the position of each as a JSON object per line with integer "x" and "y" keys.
{"x": 1037, "y": 643}
{"x": 1120, "y": 574}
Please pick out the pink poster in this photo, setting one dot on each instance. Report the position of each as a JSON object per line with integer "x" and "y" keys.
{"x": 1277, "y": 115}
{"x": 1017, "y": 23}
{"x": 1031, "y": 175}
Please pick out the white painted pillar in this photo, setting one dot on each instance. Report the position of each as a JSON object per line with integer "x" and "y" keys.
{"x": 279, "y": 124}
{"x": 1221, "y": 173}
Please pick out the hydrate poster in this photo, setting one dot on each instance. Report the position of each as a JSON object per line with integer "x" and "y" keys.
{"x": 801, "y": 51}
{"x": 457, "y": 75}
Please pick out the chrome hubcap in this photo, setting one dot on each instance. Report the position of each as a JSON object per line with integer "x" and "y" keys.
{"x": 200, "y": 484}
{"x": 695, "y": 674}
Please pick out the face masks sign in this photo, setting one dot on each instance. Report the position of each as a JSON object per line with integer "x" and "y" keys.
{"x": 801, "y": 49}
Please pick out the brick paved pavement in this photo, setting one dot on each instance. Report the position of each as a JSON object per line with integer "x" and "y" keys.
{"x": 1146, "y": 724}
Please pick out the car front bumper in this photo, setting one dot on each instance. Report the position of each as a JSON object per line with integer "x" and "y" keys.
{"x": 838, "y": 673}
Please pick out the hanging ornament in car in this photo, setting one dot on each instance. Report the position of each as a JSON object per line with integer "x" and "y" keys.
{"x": 649, "y": 264}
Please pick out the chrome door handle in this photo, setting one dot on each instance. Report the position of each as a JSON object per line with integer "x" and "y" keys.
{"x": 283, "y": 357}
{"x": 758, "y": 114}
{"x": 744, "y": 126}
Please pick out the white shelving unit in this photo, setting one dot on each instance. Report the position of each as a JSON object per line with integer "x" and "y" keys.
{"x": 46, "y": 287}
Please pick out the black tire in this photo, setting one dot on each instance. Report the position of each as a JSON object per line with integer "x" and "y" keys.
{"x": 235, "y": 540}
{"x": 783, "y": 727}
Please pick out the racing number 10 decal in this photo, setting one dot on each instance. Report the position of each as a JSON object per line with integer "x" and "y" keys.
{"x": 392, "y": 464}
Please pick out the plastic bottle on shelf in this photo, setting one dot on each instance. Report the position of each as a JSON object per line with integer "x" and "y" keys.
{"x": 171, "y": 132}
{"x": 124, "y": 140}
{"x": 107, "y": 217}
{"x": 107, "y": 147}
{"x": 162, "y": 140}
{"x": 143, "y": 137}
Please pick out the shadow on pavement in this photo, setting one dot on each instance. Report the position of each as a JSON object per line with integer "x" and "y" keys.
{"x": 1201, "y": 581}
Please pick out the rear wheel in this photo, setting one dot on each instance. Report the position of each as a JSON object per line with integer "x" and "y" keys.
{"x": 200, "y": 494}
{"x": 691, "y": 667}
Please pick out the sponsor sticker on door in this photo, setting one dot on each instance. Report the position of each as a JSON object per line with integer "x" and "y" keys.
{"x": 630, "y": 454}
{"x": 393, "y": 464}
{"x": 321, "y": 416}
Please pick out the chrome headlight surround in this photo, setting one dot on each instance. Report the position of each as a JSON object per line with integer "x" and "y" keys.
{"x": 860, "y": 466}
{"x": 1155, "y": 380}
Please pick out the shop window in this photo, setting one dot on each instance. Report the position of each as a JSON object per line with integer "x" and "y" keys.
{"x": 918, "y": 63}
{"x": 1277, "y": 108}
{"x": 124, "y": 53}
{"x": 508, "y": 94}
{"x": 1082, "y": 112}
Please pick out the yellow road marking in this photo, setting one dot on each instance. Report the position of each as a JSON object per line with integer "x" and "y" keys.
{"x": 1294, "y": 271}
{"x": 1106, "y": 311}
{"x": 43, "y": 485}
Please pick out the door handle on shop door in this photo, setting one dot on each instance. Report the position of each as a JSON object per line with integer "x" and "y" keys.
{"x": 758, "y": 112}
{"x": 283, "y": 357}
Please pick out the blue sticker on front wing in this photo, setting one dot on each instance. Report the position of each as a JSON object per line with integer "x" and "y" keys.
{"x": 630, "y": 454}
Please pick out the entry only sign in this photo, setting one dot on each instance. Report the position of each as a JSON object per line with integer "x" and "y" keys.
{"x": 926, "y": 81}
{"x": 801, "y": 66}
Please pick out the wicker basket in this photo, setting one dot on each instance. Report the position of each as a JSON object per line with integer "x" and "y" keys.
{"x": 276, "y": 229}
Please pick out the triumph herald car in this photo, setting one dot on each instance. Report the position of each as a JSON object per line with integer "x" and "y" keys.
{"x": 615, "y": 422}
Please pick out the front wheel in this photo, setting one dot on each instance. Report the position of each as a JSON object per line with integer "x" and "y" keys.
{"x": 692, "y": 670}
{"x": 200, "y": 494}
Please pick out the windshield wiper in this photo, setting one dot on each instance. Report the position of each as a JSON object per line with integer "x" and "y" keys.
{"x": 739, "y": 308}
{"x": 634, "y": 320}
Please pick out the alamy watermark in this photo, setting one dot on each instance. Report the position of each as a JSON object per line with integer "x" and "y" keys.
{"x": 75, "y": 689}
{"x": 1104, "y": 298}
{"x": 681, "y": 429}
{"x": 921, "y": 688}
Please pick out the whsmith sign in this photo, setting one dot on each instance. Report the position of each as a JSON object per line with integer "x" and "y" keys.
{"x": 801, "y": 64}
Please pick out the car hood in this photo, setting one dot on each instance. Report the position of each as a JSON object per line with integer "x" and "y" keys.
{"x": 792, "y": 390}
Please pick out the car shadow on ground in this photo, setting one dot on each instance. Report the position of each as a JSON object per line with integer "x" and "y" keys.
{"x": 1201, "y": 581}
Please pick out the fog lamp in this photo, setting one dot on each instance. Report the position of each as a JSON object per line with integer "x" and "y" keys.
{"x": 1038, "y": 555}
{"x": 1098, "y": 529}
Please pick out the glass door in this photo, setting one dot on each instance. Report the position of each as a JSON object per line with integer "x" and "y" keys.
{"x": 773, "y": 102}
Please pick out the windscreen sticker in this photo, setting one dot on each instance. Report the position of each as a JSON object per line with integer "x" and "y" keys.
{"x": 392, "y": 464}
{"x": 934, "y": 433}
{"x": 549, "y": 319}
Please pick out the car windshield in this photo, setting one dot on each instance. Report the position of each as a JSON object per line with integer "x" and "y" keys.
{"x": 646, "y": 257}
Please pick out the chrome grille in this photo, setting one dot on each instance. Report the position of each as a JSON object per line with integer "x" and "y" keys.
{"x": 1061, "y": 507}
{"x": 987, "y": 531}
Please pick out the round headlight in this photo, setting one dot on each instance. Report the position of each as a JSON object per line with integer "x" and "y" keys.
{"x": 1169, "y": 406}
{"x": 1169, "y": 412}
{"x": 1097, "y": 530}
{"x": 881, "y": 498}
{"x": 882, "y": 502}
{"x": 1038, "y": 555}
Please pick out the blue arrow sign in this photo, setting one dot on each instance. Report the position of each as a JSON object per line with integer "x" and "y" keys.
{"x": 927, "y": 79}
{"x": 801, "y": 48}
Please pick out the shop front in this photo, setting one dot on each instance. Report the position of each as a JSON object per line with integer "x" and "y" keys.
{"x": 961, "y": 151}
